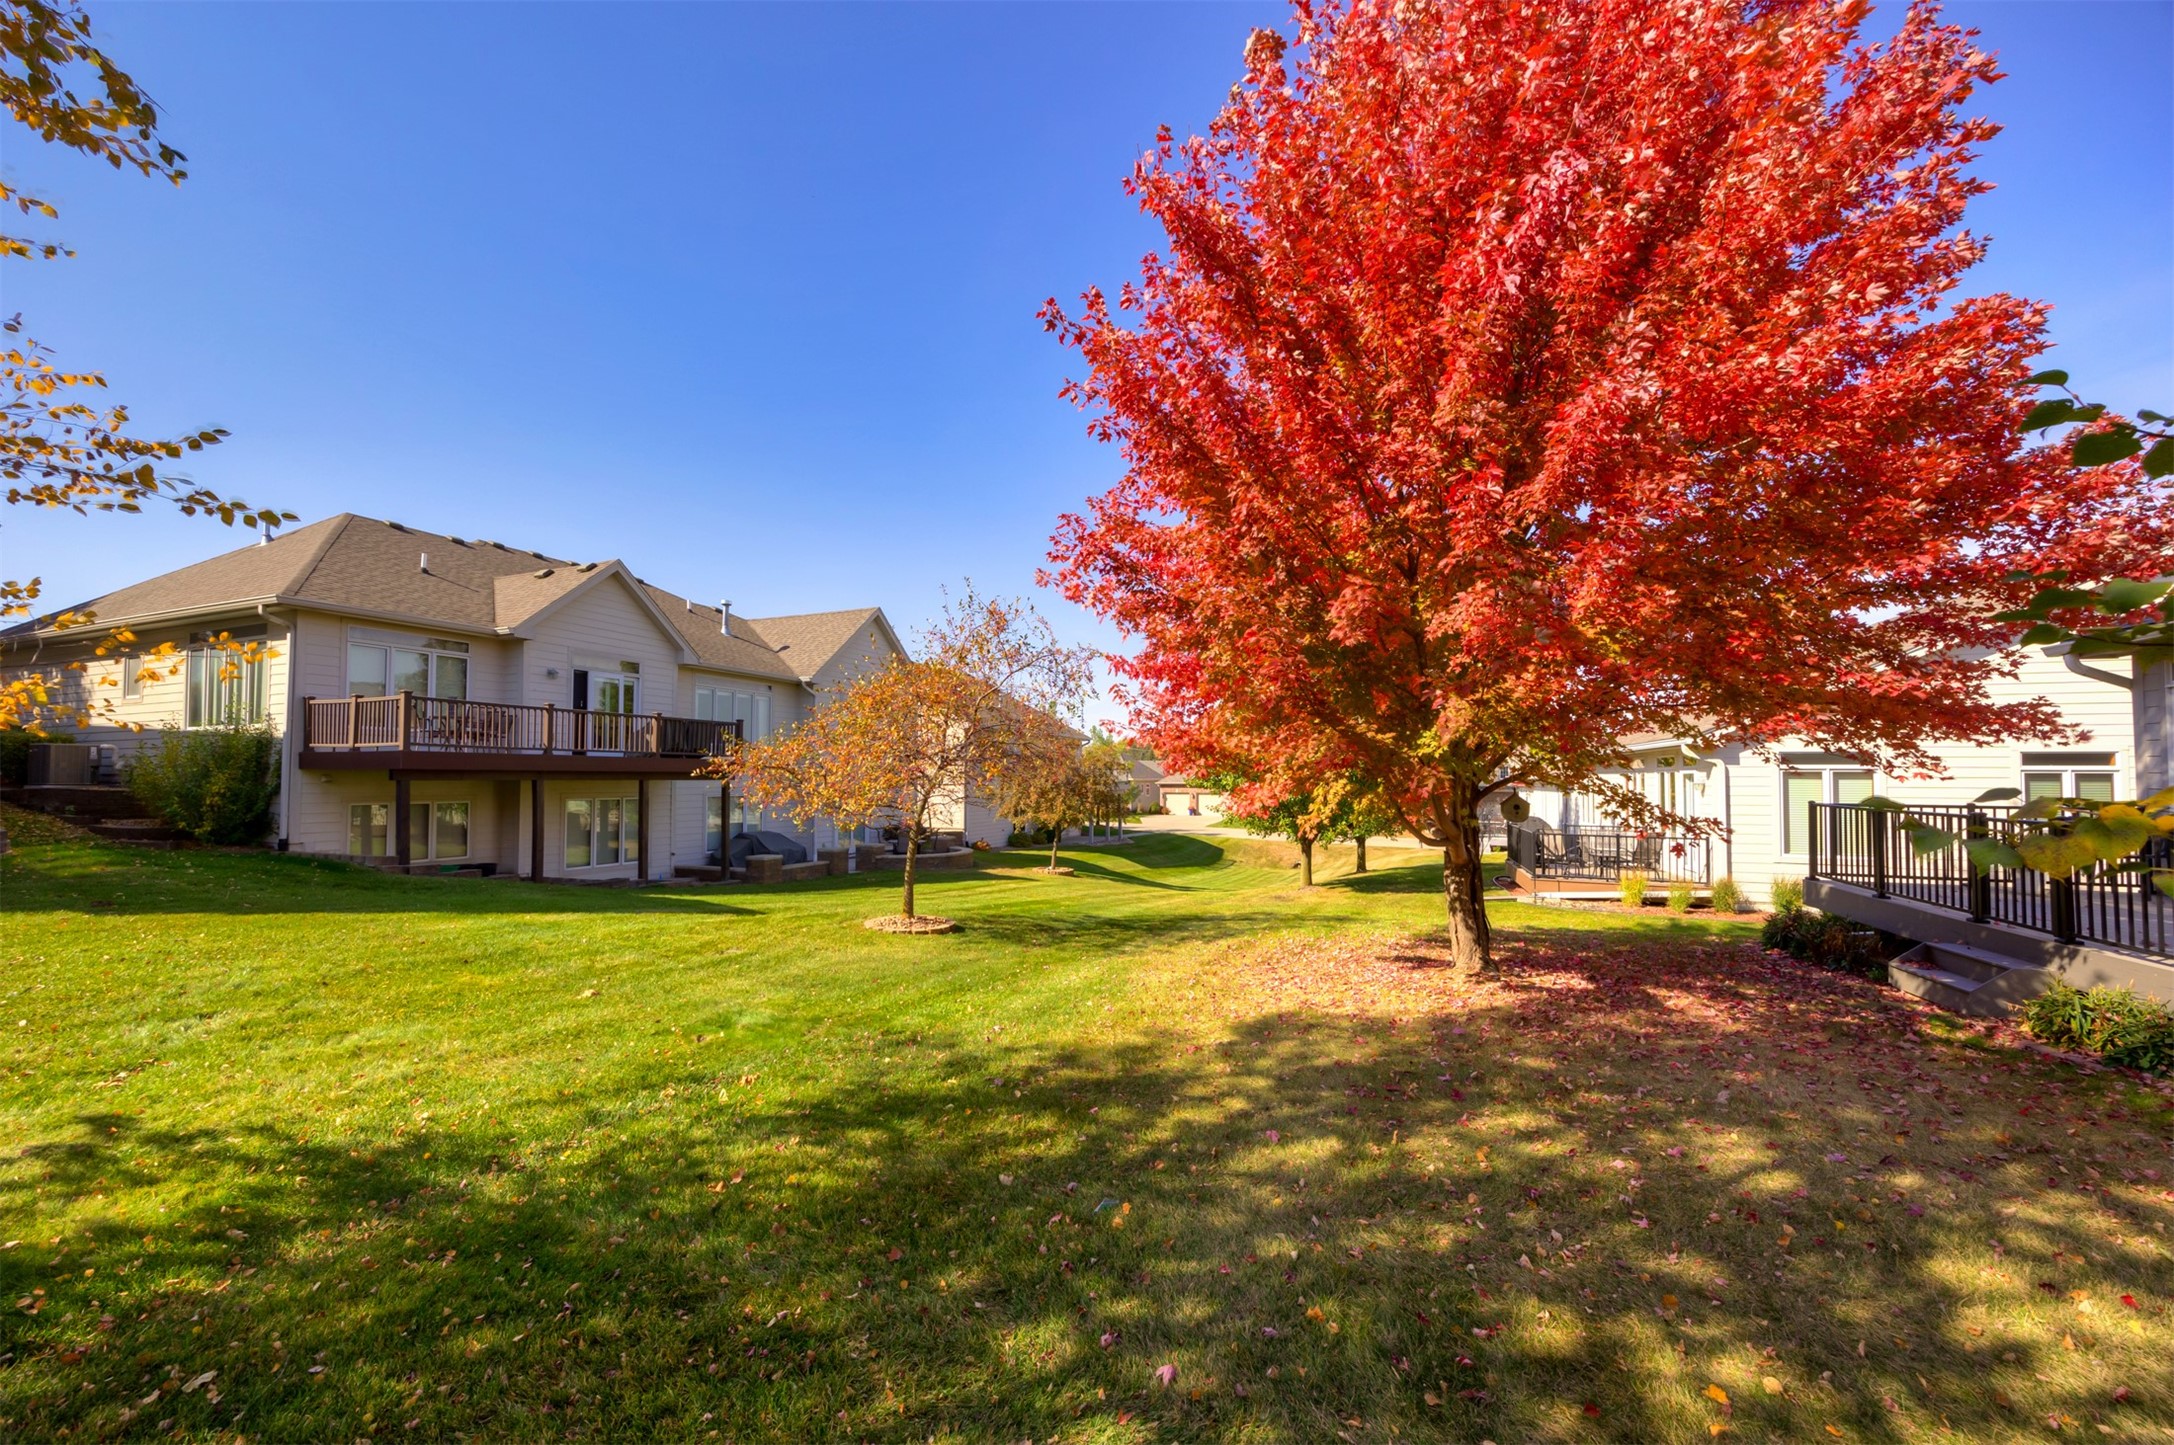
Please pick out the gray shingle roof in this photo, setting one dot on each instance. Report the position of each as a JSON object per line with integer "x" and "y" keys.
{"x": 360, "y": 564}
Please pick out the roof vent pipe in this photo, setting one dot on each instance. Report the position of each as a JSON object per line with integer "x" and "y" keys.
{"x": 724, "y": 617}
{"x": 424, "y": 564}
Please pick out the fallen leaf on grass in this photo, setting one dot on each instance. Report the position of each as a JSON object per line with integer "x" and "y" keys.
{"x": 1166, "y": 1375}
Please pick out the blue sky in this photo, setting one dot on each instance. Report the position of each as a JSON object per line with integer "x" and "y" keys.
{"x": 746, "y": 295}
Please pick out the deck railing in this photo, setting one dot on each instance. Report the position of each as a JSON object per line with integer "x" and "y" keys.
{"x": 1605, "y": 855}
{"x": 1870, "y": 848}
{"x": 405, "y": 722}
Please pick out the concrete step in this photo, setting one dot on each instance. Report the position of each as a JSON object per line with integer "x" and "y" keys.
{"x": 700, "y": 872}
{"x": 1967, "y": 980}
{"x": 1971, "y": 963}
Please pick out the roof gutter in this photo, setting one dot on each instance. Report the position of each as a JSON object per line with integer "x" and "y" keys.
{"x": 2077, "y": 665}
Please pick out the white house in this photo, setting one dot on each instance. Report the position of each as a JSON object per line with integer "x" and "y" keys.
{"x": 1764, "y": 800}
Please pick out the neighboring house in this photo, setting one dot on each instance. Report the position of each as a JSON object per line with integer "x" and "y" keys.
{"x": 446, "y": 702}
{"x": 1765, "y": 801}
{"x": 1143, "y": 783}
{"x": 1188, "y": 799}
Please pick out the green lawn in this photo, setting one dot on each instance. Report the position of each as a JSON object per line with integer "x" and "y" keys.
{"x": 290, "y": 1150}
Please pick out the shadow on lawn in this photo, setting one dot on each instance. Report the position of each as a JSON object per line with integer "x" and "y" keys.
{"x": 117, "y": 879}
{"x": 878, "y": 1255}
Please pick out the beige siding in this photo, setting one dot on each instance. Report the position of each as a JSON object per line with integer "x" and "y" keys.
{"x": 598, "y": 627}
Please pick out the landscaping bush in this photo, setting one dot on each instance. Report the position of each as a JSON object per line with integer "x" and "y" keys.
{"x": 1679, "y": 897}
{"x": 1633, "y": 887}
{"x": 1788, "y": 894}
{"x": 15, "y": 746}
{"x": 1827, "y": 941}
{"x": 214, "y": 784}
{"x": 1727, "y": 897}
{"x": 2113, "y": 1023}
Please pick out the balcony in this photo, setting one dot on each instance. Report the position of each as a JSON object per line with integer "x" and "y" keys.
{"x": 440, "y": 736}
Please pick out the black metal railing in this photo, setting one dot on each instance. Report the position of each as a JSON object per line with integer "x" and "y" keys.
{"x": 1870, "y": 848}
{"x": 1605, "y": 855}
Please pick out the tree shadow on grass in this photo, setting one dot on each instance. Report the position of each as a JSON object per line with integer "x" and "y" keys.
{"x": 117, "y": 880}
{"x": 1526, "y": 1204}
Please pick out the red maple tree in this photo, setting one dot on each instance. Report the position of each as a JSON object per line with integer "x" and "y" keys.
{"x": 1520, "y": 374}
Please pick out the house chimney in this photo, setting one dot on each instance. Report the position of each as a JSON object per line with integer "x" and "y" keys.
{"x": 724, "y": 617}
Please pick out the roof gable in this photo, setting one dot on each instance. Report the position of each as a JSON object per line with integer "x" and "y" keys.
{"x": 808, "y": 642}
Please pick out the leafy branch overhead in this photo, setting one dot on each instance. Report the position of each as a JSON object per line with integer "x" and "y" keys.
{"x": 58, "y": 449}
{"x": 2103, "y": 440}
{"x": 2059, "y": 837}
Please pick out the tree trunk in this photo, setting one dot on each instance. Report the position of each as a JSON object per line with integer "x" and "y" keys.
{"x": 1305, "y": 862}
{"x": 913, "y": 843}
{"x": 1361, "y": 867}
{"x": 1056, "y": 836}
{"x": 1464, "y": 891}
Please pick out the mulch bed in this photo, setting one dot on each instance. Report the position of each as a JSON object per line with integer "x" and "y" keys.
{"x": 926, "y": 923}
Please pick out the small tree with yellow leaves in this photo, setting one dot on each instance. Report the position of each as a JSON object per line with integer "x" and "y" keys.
{"x": 985, "y": 703}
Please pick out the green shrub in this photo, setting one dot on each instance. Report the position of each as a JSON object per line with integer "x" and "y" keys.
{"x": 214, "y": 784}
{"x": 1679, "y": 897}
{"x": 1825, "y": 940}
{"x": 2113, "y": 1023}
{"x": 1788, "y": 894}
{"x": 1727, "y": 897}
{"x": 1633, "y": 888}
{"x": 15, "y": 746}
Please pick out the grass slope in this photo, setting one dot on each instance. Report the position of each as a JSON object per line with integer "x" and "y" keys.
{"x": 298, "y": 1151}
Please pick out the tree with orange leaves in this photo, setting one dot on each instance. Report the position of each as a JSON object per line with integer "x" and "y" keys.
{"x": 1522, "y": 374}
{"x": 57, "y": 449}
{"x": 985, "y": 703}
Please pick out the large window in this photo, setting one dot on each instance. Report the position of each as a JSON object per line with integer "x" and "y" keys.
{"x": 368, "y": 834}
{"x": 1806, "y": 784}
{"x": 224, "y": 689}
{"x": 435, "y": 830}
{"x": 437, "y": 667}
{"x": 603, "y": 831}
{"x": 751, "y": 710}
{"x": 2089, "y": 776}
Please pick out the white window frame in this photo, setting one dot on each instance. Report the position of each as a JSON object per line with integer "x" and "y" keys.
{"x": 251, "y": 684}
{"x": 725, "y": 703}
{"x": 2068, "y": 775}
{"x": 132, "y": 681}
{"x": 627, "y": 843}
{"x": 387, "y": 643}
{"x": 1828, "y": 772}
{"x": 428, "y": 852}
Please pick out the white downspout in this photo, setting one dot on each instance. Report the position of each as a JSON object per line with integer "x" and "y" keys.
{"x": 289, "y": 735}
